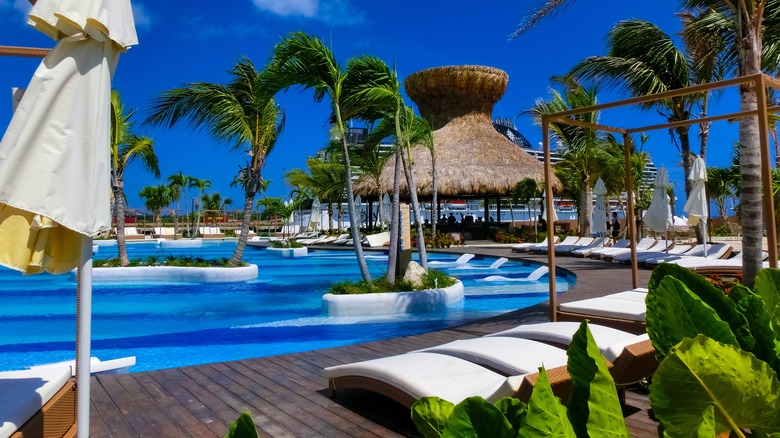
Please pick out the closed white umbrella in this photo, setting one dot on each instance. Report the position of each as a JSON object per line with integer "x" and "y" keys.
{"x": 385, "y": 210}
{"x": 54, "y": 167}
{"x": 599, "y": 219}
{"x": 658, "y": 217}
{"x": 696, "y": 206}
{"x": 314, "y": 216}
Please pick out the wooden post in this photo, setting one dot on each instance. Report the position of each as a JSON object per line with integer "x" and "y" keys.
{"x": 766, "y": 173}
{"x": 630, "y": 221}
{"x": 548, "y": 179}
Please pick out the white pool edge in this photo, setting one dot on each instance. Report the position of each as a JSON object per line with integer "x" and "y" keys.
{"x": 175, "y": 274}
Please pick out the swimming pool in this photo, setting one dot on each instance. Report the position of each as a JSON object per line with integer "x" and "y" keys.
{"x": 170, "y": 325}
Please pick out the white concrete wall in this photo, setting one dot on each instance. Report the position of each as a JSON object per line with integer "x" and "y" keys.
{"x": 175, "y": 274}
{"x": 392, "y": 303}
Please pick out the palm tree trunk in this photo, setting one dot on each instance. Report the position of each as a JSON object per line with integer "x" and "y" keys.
{"x": 238, "y": 254}
{"x": 353, "y": 219}
{"x": 750, "y": 158}
{"x": 119, "y": 205}
{"x": 407, "y": 163}
{"x": 392, "y": 257}
{"x": 586, "y": 208}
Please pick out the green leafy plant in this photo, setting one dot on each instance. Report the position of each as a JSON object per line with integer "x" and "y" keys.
{"x": 432, "y": 279}
{"x": 720, "y": 353}
{"x": 180, "y": 261}
{"x": 593, "y": 408}
{"x": 243, "y": 427}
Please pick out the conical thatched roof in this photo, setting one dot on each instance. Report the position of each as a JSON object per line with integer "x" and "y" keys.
{"x": 472, "y": 158}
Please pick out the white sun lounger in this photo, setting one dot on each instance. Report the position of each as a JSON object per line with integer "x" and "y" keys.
{"x": 569, "y": 240}
{"x": 595, "y": 253}
{"x": 526, "y": 246}
{"x": 714, "y": 252}
{"x": 36, "y": 400}
{"x": 623, "y": 310}
{"x": 506, "y": 355}
{"x": 96, "y": 366}
{"x": 585, "y": 242}
{"x": 647, "y": 255}
{"x": 450, "y": 371}
{"x": 643, "y": 245}
{"x": 598, "y": 244}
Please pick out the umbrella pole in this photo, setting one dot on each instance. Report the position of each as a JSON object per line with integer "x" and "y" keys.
{"x": 83, "y": 337}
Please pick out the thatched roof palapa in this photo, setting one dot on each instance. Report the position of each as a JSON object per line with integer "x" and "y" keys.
{"x": 472, "y": 158}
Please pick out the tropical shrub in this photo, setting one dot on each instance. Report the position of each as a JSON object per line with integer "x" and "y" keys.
{"x": 504, "y": 236}
{"x": 182, "y": 261}
{"x": 286, "y": 244}
{"x": 432, "y": 279}
{"x": 592, "y": 410}
{"x": 720, "y": 354}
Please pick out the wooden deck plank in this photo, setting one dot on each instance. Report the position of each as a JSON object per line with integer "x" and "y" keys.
{"x": 172, "y": 407}
{"x": 242, "y": 400}
{"x": 287, "y": 394}
{"x": 151, "y": 406}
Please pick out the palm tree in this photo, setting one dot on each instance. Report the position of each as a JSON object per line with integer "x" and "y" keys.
{"x": 376, "y": 93}
{"x": 526, "y": 190}
{"x": 213, "y": 203}
{"x": 719, "y": 188}
{"x": 155, "y": 199}
{"x": 126, "y": 148}
{"x": 304, "y": 60}
{"x": 583, "y": 156}
{"x": 323, "y": 179}
{"x": 179, "y": 182}
{"x": 753, "y": 27}
{"x": 275, "y": 207}
{"x": 202, "y": 185}
{"x": 241, "y": 113}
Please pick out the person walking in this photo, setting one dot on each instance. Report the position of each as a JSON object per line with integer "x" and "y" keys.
{"x": 615, "y": 225}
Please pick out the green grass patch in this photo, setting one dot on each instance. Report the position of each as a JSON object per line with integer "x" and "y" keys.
{"x": 181, "y": 261}
{"x": 431, "y": 280}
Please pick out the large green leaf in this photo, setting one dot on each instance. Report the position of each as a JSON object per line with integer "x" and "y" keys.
{"x": 243, "y": 427}
{"x": 714, "y": 297}
{"x": 514, "y": 410}
{"x": 767, "y": 286}
{"x": 430, "y": 414}
{"x": 674, "y": 313}
{"x": 753, "y": 307}
{"x": 546, "y": 415}
{"x": 701, "y": 372}
{"x": 474, "y": 417}
{"x": 594, "y": 408}
{"x": 706, "y": 428}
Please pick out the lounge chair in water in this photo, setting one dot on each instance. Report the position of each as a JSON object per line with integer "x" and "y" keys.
{"x": 492, "y": 367}
{"x": 38, "y": 402}
{"x": 526, "y": 246}
{"x": 495, "y": 265}
{"x": 535, "y": 275}
{"x": 462, "y": 260}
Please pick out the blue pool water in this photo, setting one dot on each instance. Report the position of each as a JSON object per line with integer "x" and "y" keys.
{"x": 170, "y": 325}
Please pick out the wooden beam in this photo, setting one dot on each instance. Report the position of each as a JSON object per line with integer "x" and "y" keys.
{"x": 23, "y": 52}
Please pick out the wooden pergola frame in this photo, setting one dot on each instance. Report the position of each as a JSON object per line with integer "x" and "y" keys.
{"x": 758, "y": 81}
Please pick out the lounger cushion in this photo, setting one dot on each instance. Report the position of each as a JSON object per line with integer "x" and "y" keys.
{"x": 608, "y": 307}
{"x": 561, "y": 333}
{"x": 509, "y": 356}
{"x": 426, "y": 375}
{"x": 23, "y": 393}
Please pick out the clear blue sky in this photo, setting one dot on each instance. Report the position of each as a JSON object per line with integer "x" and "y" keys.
{"x": 195, "y": 41}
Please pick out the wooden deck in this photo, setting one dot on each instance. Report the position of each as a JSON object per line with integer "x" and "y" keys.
{"x": 288, "y": 396}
